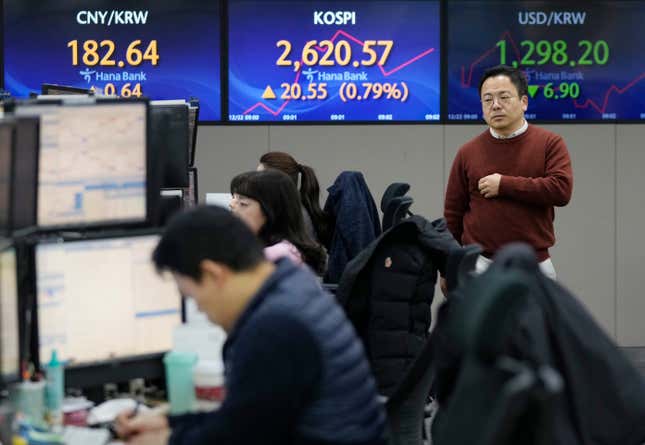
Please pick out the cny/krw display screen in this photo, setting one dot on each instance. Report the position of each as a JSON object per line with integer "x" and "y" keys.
{"x": 583, "y": 60}
{"x": 333, "y": 61}
{"x": 159, "y": 49}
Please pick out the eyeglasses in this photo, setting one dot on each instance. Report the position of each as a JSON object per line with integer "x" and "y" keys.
{"x": 503, "y": 99}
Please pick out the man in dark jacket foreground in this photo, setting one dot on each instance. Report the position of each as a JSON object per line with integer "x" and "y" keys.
{"x": 295, "y": 371}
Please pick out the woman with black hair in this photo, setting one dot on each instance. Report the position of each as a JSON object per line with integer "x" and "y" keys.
{"x": 316, "y": 221}
{"x": 267, "y": 201}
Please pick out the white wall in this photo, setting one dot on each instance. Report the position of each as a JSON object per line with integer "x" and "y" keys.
{"x": 600, "y": 253}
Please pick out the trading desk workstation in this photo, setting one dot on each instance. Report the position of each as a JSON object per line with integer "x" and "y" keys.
{"x": 98, "y": 132}
{"x": 84, "y": 195}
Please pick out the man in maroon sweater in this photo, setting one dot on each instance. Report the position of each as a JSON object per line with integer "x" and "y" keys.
{"x": 504, "y": 183}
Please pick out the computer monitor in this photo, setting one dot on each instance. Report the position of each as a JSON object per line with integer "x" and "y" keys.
{"x": 169, "y": 132}
{"x": 6, "y": 155}
{"x": 9, "y": 325}
{"x": 25, "y": 172}
{"x": 102, "y": 300}
{"x": 92, "y": 163}
{"x": 51, "y": 89}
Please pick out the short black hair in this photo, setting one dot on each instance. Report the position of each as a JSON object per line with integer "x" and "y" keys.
{"x": 516, "y": 76}
{"x": 206, "y": 233}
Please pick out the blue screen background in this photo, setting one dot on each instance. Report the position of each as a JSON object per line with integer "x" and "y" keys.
{"x": 614, "y": 91}
{"x": 188, "y": 34}
{"x": 256, "y": 26}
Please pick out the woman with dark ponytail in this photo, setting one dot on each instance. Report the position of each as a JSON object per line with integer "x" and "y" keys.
{"x": 317, "y": 222}
{"x": 267, "y": 201}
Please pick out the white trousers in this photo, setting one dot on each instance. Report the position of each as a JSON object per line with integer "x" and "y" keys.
{"x": 546, "y": 266}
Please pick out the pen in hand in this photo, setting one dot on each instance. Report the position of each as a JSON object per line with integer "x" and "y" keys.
{"x": 118, "y": 429}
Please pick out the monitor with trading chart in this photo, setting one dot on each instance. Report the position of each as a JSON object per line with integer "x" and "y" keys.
{"x": 92, "y": 163}
{"x": 170, "y": 135}
{"x": 102, "y": 300}
{"x": 6, "y": 154}
{"x": 9, "y": 325}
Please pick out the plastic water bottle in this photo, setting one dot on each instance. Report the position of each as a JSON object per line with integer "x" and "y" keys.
{"x": 179, "y": 380}
{"x": 55, "y": 389}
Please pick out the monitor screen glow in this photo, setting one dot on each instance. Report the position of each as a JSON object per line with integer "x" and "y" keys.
{"x": 92, "y": 163}
{"x": 9, "y": 333}
{"x": 100, "y": 300}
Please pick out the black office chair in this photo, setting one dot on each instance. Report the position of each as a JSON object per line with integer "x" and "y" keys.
{"x": 397, "y": 209}
{"x": 509, "y": 403}
{"x": 497, "y": 400}
{"x": 524, "y": 410}
{"x": 394, "y": 190}
{"x": 406, "y": 406}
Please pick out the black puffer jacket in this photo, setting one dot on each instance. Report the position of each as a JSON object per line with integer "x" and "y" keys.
{"x": 387, "y": 291}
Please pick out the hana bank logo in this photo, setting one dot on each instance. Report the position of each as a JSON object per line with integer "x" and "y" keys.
{"x": 309, "y": 73}
{"x": 87, "y": 74}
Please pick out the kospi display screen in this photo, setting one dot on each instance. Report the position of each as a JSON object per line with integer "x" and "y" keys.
{"x": 583, "y": 60}
{"x": 333, "y": 61}
{"x": 161, "y": 49}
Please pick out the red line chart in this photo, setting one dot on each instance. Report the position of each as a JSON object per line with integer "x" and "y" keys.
{"x": 338, "y": 33}
{"x": 466, "y": 81}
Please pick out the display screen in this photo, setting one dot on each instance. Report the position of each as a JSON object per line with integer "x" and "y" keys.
{"x": 333, "y": 61}
{"x": 583, "y": 60}
{"x": 9, "y": 338}
{"x": 160, "y": 49}
{"x": 169, "y": 137}
{"x": 102, "y": 299}
{"x": 92, "y": 163}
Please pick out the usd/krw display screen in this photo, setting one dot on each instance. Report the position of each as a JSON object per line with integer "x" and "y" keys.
{"x": 583, "y": 60}
{"x": 333, "y": 61}
{"x": 162, "y": 49}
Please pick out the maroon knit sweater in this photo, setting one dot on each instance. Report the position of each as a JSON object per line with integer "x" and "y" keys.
{"x": 536, "y": 175}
